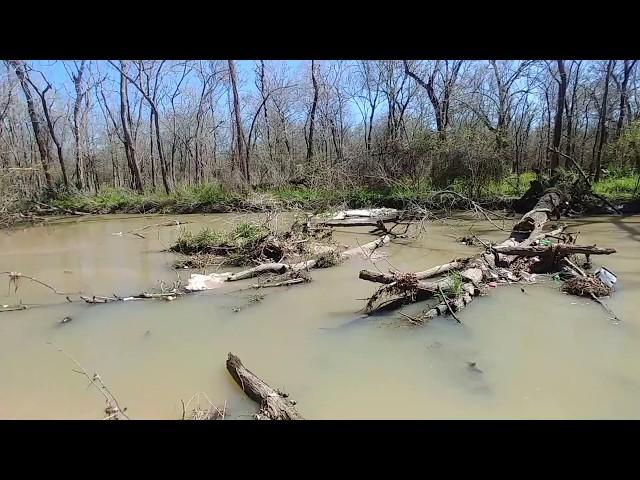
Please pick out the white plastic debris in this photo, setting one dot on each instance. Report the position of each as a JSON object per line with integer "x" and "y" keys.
{"x": 198, "y": 282}
{"x": 607, "y": 277}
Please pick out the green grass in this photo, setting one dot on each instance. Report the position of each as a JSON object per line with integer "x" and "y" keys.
{"x": 210, "y": 198}
{"x": 456, "y": 278}
{"x": 238, "y": 245}
{"x": 204, "y": 241}
{"x": 206, "y": 197}
{"x": 620, "y": 188}
{"x": 508, "y": 186}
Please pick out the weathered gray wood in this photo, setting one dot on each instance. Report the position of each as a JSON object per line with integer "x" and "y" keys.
{"x": 558, "y": 249}
{"x": 359, "y": 221}
{"x": 389, "y": 278}
{"x": 259, "y": 270}
{"x": 274, "y": 404}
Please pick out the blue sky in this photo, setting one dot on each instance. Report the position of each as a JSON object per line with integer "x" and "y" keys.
{"x": 55, "y": 72}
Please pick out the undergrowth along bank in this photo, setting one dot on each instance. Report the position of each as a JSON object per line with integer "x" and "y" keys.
{"x": 212, "y": 198}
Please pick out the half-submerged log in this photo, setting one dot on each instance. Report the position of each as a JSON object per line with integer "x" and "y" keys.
{"x": 141, "y": 296}
{"x": 359, "y": 221}
{"x": 274, "y": 404}
{"x": 360, "y": 218}
{"x": 432, "y": 272}
{"x": 560, "y": 250}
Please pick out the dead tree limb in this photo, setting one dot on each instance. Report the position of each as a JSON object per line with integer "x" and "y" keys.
{"x": 284, "y": 283}
{"x": 446, "y": 302}
{"x": 14, "y": 277}
{"x": 66, "y": 210}
{"x": 560, "y": 250}
{"x": 458, "y": 304}
{"x": 274, "y": 404}
{"x": 432, "y": 272}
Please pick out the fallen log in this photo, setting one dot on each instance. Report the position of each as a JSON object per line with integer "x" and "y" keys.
{"x": 95, "y": 299}
{"x": 358, "y": 222}
{"x": 432, "y": 272}
{"x": 456, "y": 305}
{"x": 259, "y": 270}
{"x": 561, "y": 249}
{"x": 274, "y": 404}
{"x": 284, "y": 283}
{"x": 360, "y": 218}
{"x": 66, "y": 210}
{"x": 372, "y": 212}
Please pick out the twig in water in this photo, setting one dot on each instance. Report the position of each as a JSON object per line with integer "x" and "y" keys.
{"x": 604, "y": 305}
{"x": 14, "y": 278}
{"x": 413, "y": 320}
{"x": 113, "y": 407}
{"x": 453, "y": 314}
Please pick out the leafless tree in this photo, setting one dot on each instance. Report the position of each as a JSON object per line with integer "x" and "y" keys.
{"x": 557, "y": 126}
{"x": 447, "y": 74}
{"x": 23, "y": 76}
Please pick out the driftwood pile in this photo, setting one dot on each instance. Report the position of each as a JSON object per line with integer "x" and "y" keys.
{"x": 526, "y": 252}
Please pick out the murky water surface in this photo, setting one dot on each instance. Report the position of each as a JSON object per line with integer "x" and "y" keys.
{"x": 542, "y": 354}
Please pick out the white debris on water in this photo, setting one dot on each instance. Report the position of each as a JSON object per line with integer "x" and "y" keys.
{"x": 198, "y": 282}
{"x": 607, "y": 277}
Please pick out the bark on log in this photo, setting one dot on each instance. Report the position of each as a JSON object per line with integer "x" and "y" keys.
{"x": 259, "y": 270}
{"x": 561, "y": 249}
{"x": 470, "y": 292}
{"x": 274, "y": 404}
{"x": 367, "y": 249}
{"x": 532, "y": 222}
{"x": 284, "y": 283}
{"x": 389, "y": 278}
{"x": 359, "y": 221}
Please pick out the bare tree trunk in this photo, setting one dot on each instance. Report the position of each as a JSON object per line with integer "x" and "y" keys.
{"x": 52, "y": 132}
{"x": 153, "y": 167}
{"x": 163, "y": 166}
{"x": 440, "y": 103}
{"x": 240, "y": 140}
{"x": 312, "y": 115}
{"x": 266, "y": 115}
{"x": 628, "y": 66}
{"x": 77, "y": 83}
{"x": 572, "y": 124}
{"x": 557, "y": 128}
{"x": 129, "y": 148}
{"x": 603, "y": 122}
{"x": 19, "y": 67}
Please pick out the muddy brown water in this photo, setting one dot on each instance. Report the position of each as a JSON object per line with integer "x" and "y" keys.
{"x": 542, "y": 354}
